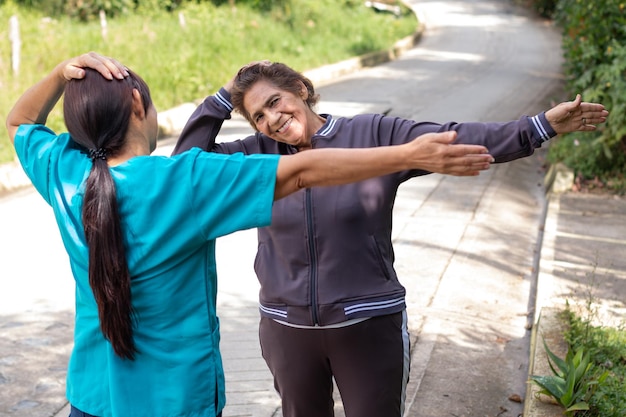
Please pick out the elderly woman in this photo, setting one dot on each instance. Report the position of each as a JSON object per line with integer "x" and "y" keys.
{"x": 331, "y": 303}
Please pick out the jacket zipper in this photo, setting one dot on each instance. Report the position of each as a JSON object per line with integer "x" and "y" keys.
{"x": 312, "y": 256}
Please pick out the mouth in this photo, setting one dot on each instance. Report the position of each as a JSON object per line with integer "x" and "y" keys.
{"x": 285, "y": 126}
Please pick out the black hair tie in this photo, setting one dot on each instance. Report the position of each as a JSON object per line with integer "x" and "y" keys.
{"x": 99, "y": 153}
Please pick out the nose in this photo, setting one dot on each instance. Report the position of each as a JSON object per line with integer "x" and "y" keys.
{"x": 273, "y": 118}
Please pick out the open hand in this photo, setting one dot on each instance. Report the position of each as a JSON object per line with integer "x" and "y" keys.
{"x": 572, "y": 116}
{"x": 436, "y": 152}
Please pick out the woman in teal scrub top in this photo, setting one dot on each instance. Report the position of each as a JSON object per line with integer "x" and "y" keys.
{"x": 140, "y": 231}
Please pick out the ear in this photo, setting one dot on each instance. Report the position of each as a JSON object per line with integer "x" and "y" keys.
{"x": 304, "y": 93}
{"x": 138, "y": 109}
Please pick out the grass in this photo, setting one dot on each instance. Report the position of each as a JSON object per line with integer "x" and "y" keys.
{"x": 607, "y": 349}
{"x": 183, "y": 63}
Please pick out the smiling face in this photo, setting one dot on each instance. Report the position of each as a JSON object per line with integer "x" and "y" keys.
{"x": 282, "y": 115}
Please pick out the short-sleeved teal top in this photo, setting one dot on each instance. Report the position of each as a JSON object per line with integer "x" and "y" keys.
{"x": 172, "y": 210}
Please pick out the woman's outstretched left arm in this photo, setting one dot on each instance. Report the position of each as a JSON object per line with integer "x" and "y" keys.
{"x": 34, "y": 106}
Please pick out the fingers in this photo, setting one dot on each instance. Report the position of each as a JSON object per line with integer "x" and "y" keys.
{"x": 467, "y": 160}
{"x": 589, "y": 113}
{"x": 109, "y": 68}
{"x": 73, "y": 72}
{"x": 470, "y": 164}
{"x": 576, "y": 115}
{"x": 463, "y": 150}
{"x": 592, "y": 107}
{"x": 592, "y": 114}
{"x": 438, "y": 153}
{"x": 459, "y": 150}
{"x": 106, "y": 66}
{"x": 593, "y": 119}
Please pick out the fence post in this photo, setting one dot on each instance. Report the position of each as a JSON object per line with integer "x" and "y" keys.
{"x": 16, "y": 43}
{"x": 103, "y": 24}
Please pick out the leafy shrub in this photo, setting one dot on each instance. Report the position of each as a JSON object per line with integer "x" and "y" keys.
{"x": 573, "y": 381}
{"x": 87, "y": 10}
{"x": 606, "y": 347}
{"x": 594, "y": 35}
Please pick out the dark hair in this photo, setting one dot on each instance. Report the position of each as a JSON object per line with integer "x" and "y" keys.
{"x": 97, "y": 114}
{"x": 278, "y": 74}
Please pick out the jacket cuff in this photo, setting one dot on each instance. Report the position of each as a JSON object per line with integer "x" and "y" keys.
{"x": 223, "y": 97}
{"x": 541, "y": 127}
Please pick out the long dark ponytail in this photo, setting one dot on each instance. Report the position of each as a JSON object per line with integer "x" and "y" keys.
{"x": 97, "y": 114}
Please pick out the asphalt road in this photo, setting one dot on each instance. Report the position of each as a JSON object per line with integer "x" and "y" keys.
{"x": 465, "y": 247}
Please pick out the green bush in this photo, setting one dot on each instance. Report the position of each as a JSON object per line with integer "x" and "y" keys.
{"x": 606, "y": 347}
{"x": 83, "y": 10}
{"x": 594, "y": 35}
{"x": 573, "y": 382}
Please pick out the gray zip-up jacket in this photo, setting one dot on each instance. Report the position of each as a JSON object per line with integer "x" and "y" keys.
{"x": 327, "y": 256}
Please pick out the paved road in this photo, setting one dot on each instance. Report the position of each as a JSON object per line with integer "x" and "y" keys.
{"x": 466, "y": 248}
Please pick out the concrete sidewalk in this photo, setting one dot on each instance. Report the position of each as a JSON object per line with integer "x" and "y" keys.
{"x": 583, "y": 263}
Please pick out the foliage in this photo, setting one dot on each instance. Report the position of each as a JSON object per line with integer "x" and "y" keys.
{"x": 545, "y": 8}
{"x": 87, "y": 10}
{"x": 606, "y": 347}
{"x": 187, "y": 55}
{"x": 83, "y": 10}
{"x": 573, "y": 382}
{"x": 594, "y": 35}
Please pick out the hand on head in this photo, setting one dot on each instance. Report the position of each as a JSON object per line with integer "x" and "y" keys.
{"x": 436, "y": 152}
{"x": 577, "y": 115}
{"x": 108, "y": 67}
{"x": 229, "y": 85}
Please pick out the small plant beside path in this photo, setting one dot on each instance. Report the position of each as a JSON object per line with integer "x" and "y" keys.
{"x": 573, "y": 382}
{"x": 591, "y": 380}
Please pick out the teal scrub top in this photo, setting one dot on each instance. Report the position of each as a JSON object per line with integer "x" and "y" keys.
{"x": 172, "y": 209}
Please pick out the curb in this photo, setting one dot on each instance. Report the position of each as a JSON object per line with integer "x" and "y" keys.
{"x": 557, "y": 180}
{"x": 172, "y": 121}
{"x": 551, "y": 329}
{"x": 328, "y": 73}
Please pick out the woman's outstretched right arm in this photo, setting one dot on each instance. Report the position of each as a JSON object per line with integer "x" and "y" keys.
{"x": 433, "y": 152}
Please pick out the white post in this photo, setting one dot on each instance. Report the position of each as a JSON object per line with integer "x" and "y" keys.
{"x": 103, "y": 23}
{"x": 181, "y": 20}
{"x": 16, "y": 43}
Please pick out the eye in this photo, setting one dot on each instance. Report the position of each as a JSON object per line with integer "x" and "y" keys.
{"x": 274, "y": 101}
{"x": 258, "y": 118}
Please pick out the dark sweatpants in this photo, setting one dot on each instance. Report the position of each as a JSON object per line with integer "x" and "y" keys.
{"x": 369, "y": 361}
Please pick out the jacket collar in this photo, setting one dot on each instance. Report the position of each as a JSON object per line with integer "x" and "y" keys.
{"x": 328, "y": 127}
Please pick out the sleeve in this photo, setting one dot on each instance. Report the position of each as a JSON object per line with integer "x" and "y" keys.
{"x": 205, "y": 123}
{"x": 239, "y": 196}
{"x": 35, "y": 147}
{"x": 506, "y": 141}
